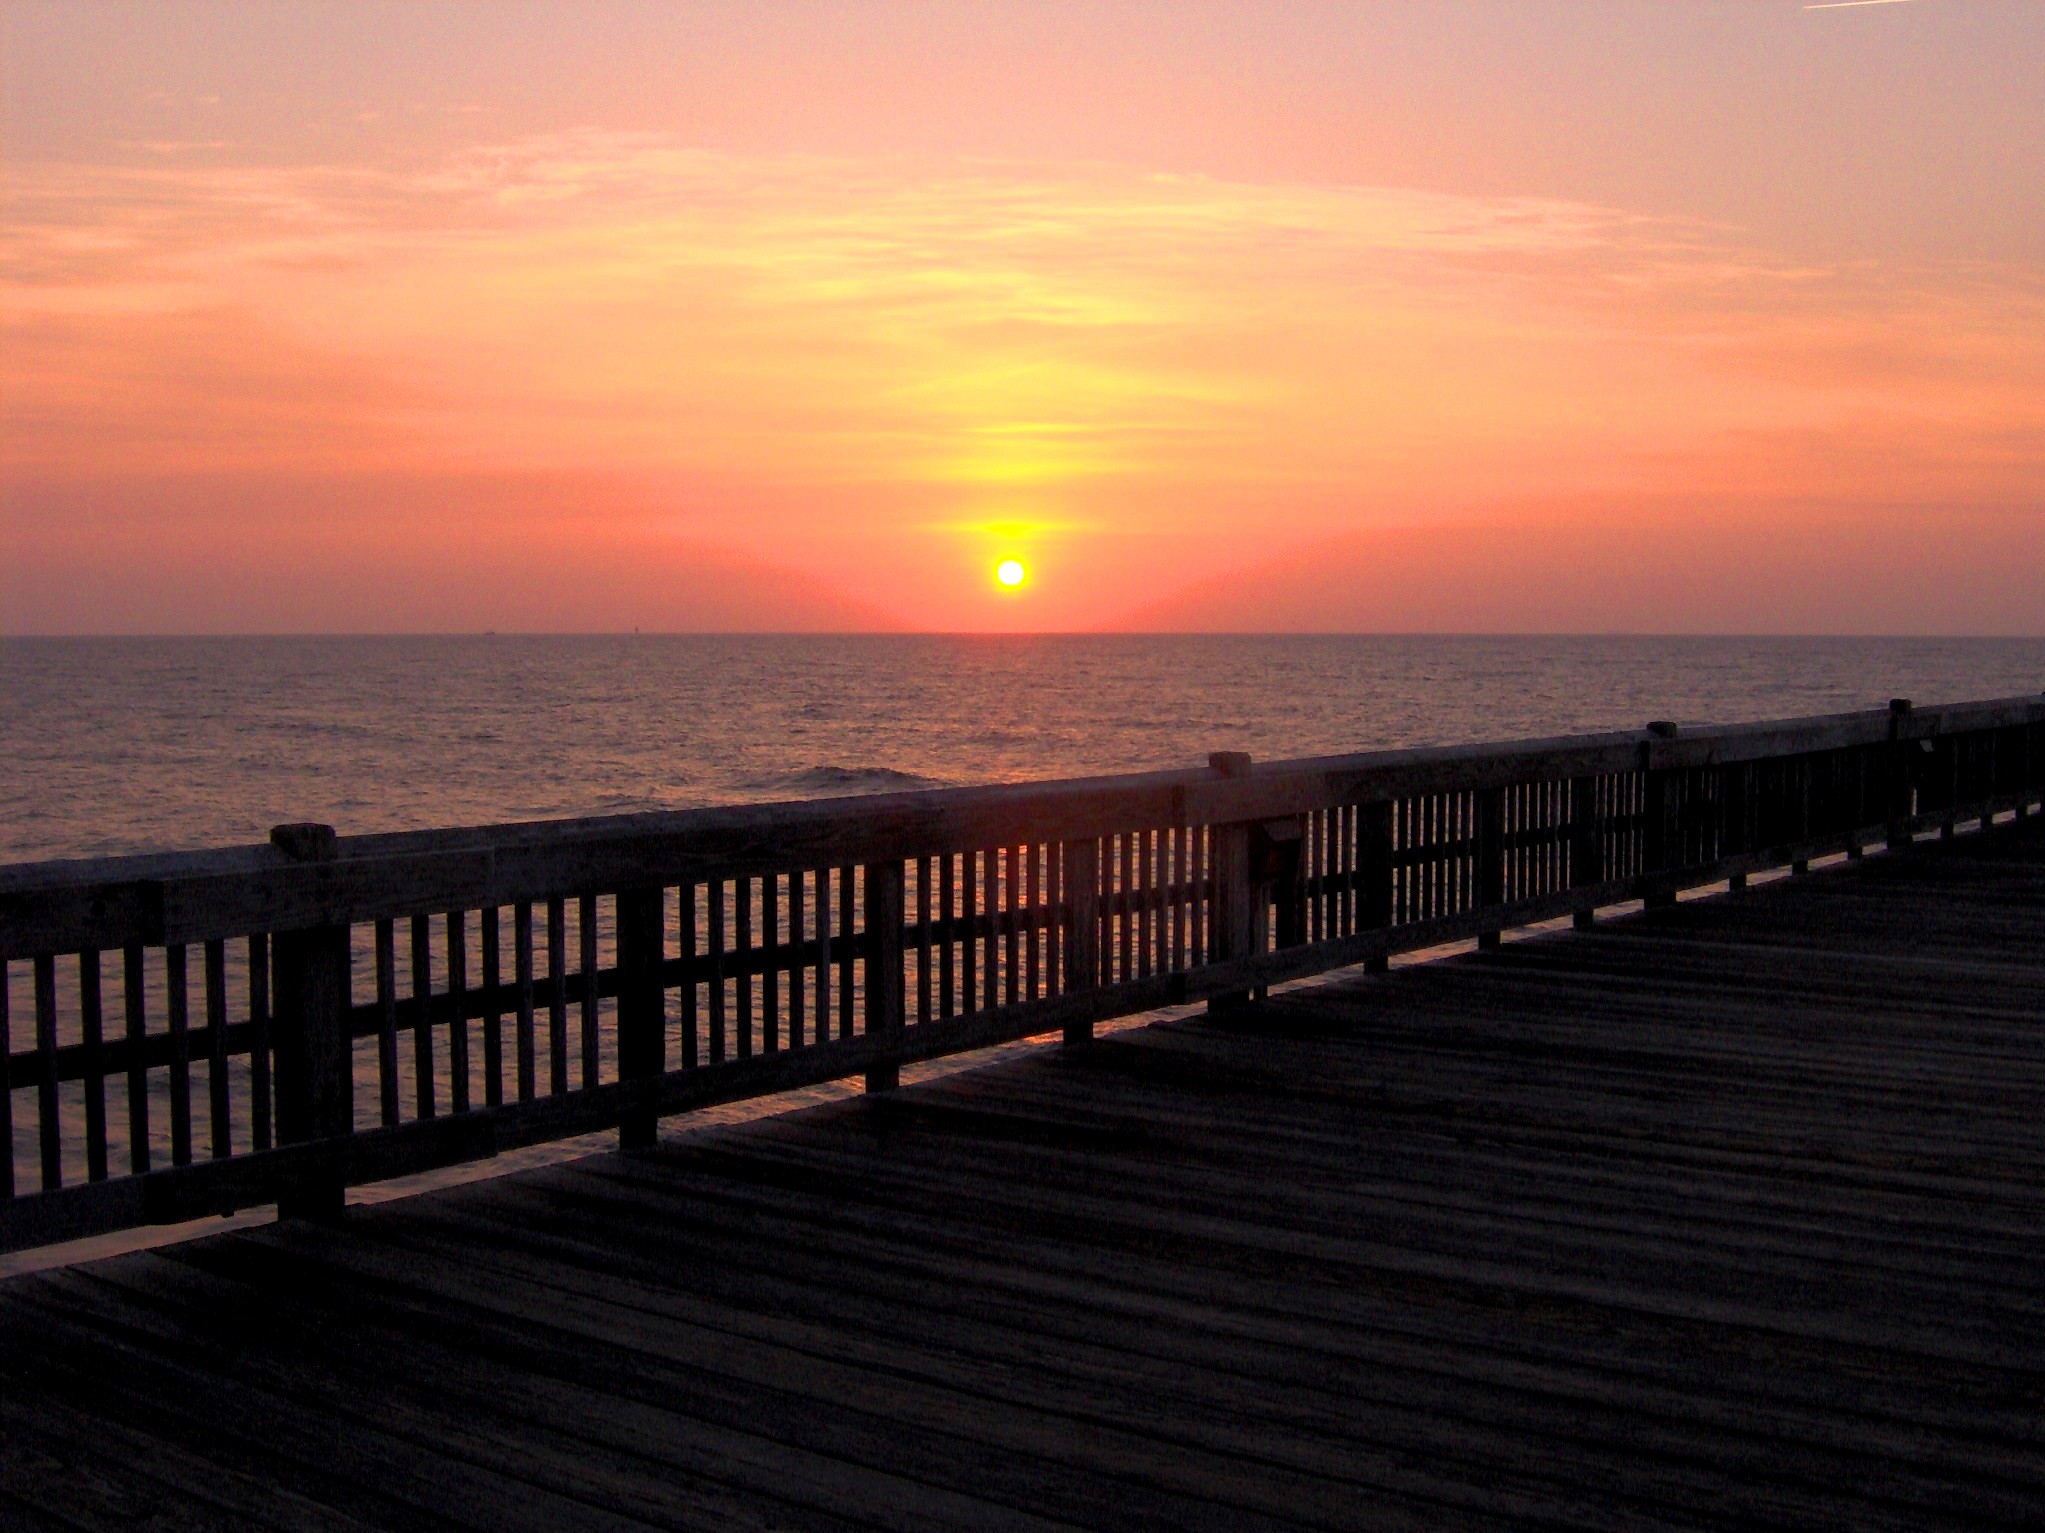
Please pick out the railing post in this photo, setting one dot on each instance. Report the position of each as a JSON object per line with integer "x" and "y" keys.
{"x": 1279, "y": 851}
{"x": 1586, "y": 844}
{"x": 1083, "y": 935}
{"x": 1900, "y": 796}
{"x": 1490, "y": 861}
{"x": 1800, "y": 777}
{"x": 1655, "y": 851}
{"x": 1233, "y": 926}
{"x": 884, "y": 990}
{"x": 1738, "y": 835}
{"x": 642, "y": 1006}
{"x": 1374, "y": 866}
{"x": 2034, "y": 767}
{"x": 315, "y": 1076}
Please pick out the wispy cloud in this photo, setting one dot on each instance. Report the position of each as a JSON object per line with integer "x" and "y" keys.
{"x": 872, "y": 353}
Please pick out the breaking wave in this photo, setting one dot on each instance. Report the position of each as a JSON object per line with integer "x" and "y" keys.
{"x": 832, "y": 781}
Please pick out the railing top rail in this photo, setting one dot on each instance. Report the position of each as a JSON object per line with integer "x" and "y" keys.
{"x": 194, "y": 895}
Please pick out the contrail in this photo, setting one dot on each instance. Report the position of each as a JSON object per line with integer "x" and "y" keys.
{"x": 1842, "y": 5}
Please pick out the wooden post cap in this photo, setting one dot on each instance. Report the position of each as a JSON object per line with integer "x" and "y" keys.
{"x": 306, "y": 841}
{"x": 1899, "y": 705}
{"x": 1662, "y": 729}
{"x": 1230, "y": 763}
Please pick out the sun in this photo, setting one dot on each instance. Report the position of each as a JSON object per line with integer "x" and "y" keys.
{"x": 1010, "y": 573}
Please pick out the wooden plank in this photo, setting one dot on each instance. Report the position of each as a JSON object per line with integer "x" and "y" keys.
{"x": 1048, "y": 1321}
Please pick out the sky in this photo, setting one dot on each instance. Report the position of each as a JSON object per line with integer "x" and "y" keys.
{"x": 1471, "y": 315}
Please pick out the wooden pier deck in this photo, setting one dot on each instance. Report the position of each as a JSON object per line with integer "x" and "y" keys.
{"x": 1725, "y": 1215}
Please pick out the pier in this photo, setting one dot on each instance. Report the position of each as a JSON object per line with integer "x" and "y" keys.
{"x": 1704, "y": 1190}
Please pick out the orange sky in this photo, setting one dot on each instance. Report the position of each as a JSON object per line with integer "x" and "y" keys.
{"x": 582, "y": 317}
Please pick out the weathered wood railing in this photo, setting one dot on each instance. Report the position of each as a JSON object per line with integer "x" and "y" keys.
{"x": 668, "y": 961}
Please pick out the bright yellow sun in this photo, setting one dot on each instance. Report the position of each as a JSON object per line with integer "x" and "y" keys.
{"x": 1010, "y": 572}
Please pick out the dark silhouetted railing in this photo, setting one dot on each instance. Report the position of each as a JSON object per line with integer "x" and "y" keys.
{"x": 197, "y": 1026}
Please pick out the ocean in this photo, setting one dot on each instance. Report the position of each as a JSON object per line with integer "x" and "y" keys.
{"x": 131, "y": 744}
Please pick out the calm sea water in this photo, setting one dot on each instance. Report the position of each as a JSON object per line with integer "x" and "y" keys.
{"x": 122, "y": 745}
{"x": 114, "y": 745}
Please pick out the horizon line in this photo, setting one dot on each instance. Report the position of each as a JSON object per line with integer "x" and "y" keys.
{"x": 1003, "y": 633}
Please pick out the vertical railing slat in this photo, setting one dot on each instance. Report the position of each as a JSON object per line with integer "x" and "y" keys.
{"x": 796, "y": 961}
{"x": 1082, "y": 922}
{"x": 134, "y": 997}
{"x": 457, "y": 1011}
{"x": 221, "y": 1126}
{"x": 770, "y": 968}
{"x": 592, "y": 997}
{"x": 6, "y": 1088}
{"x": 423, "y": 1083}
{"x": 848, "y": 894}
{"x": 1011, "y": 936}
{"x": 821, "y": 1033}
{"x": 642, "y": 1005}
{"x": 883, "y": 883}
{"x": 557, "y": 995}
{"x": 91, "y": 1033}
{"x": 925, "y": 871}
{"x": 715, "y": 927}
{"x": 522, "y": 973}
{"x": 691, "y": 1019}
{"x": 387, "y": 1020}
{"x": 491, "y": 943}
{"x": 177, "y": 1001}
{"x": 743, "y": 965}
{"x": 50, "y": 1143}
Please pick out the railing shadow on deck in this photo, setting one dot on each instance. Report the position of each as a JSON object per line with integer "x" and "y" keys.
{"x": 663, "y": 962}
